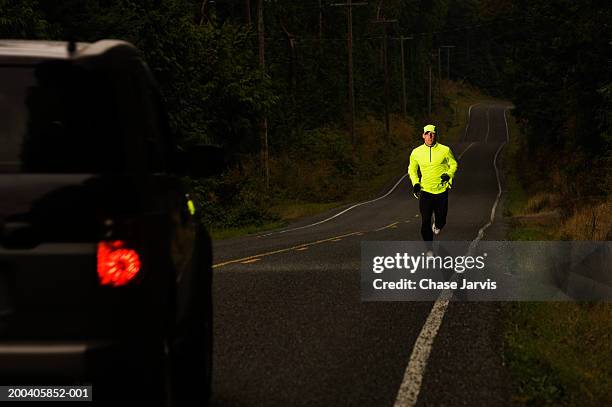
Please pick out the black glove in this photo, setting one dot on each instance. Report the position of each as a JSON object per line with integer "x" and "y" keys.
{"x": 445, "y": 177}
{"x": 415, "y": 190}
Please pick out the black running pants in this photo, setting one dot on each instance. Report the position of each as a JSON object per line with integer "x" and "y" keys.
{"x": 429, "y": 204}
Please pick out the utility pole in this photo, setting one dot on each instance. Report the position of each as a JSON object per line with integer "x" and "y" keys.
{"x": 439, "y": 96}
{"x": 320, "y": 21}
{"x": 384, "y": 23}
{"x": 439, "y": 66}
{"x": 247, "y": 13}
{"x": 351, "y": 84}
{"x": 402, "y": 39}
{"x": 467, "y": 61}
{"x": 264, "y": 121}
{"x": 448, "y": 47}
{"x": 412, "y": 61}
{"x": 429, "y": 98}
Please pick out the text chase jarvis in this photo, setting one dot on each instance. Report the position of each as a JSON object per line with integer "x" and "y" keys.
{"x": 412, "y": 264}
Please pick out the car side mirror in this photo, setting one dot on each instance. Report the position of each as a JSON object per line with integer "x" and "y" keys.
{"x": 200, "y": 161}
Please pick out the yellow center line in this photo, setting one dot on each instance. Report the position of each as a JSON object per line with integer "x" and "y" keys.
{"x": 283, "y": 250}
{"x": 392, "y": 225}
{"x": 301, "y": 247}
{"x": 250, "y": 261}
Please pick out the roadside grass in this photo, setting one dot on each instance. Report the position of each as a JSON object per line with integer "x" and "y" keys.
{"x": 558, "y": 353}
{"x": 227, "y": 233}
{"x": 289, "y": 211}
{"x": 528, "y": 233}
{"x": 590, "y": 223}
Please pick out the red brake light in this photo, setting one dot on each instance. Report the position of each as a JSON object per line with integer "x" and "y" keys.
{"x": 117, "y": 265}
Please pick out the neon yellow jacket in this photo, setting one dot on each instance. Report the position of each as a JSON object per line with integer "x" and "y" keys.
{"x": 432, "y": 162}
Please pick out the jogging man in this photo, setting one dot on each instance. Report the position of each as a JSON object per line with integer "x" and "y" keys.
{"x": 437, "y": 167}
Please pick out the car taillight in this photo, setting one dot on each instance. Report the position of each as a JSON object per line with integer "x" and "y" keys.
{"x": 117, "y": 264}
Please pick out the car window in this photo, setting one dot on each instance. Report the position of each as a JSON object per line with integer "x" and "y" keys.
{"x": 149, "y": 119}
{"x": 57, "y": 116}
{"x": 14, "y": 84}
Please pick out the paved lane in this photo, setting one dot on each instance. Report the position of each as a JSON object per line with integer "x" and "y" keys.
{"x": 290, "y": 328}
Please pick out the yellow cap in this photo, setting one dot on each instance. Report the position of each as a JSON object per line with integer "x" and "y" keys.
{"x": 429, "y": 127}
{"x": 191, "y": 207}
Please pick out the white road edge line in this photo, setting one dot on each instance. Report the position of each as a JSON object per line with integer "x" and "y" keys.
{"x": 338, "y": 214}
{"x": 366, "y": 202}
{"x": 410, "y": 387}
{"x": 467, "y": 126}
{"x": 464, "y": 151}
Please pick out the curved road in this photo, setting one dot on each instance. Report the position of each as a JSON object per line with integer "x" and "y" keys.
{"x": 290, "y": 327}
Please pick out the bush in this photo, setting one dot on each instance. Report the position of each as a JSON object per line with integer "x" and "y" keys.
{"x": 231, "y": 201}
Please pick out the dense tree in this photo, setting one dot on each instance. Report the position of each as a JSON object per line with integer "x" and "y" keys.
{"x": 551, "y": 58}
{"x": 22, "y": 19}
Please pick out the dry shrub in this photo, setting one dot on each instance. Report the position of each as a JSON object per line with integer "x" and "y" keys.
{"x": 540, "y": 202}
{"x": 589, "y": 223}
{"x": 402, "y": 130}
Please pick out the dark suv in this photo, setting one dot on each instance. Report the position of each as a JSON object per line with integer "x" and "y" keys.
{"x": 105, "y": 279}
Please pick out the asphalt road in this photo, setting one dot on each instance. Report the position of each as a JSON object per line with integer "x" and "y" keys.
{"x": 290, "y": 327}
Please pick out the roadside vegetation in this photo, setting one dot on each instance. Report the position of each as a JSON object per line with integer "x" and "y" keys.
{"x": 559, "y": 188}
{"x": 558, "y": 352}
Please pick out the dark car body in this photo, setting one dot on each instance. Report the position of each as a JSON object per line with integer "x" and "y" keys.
{"x": 87, "y": 162}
